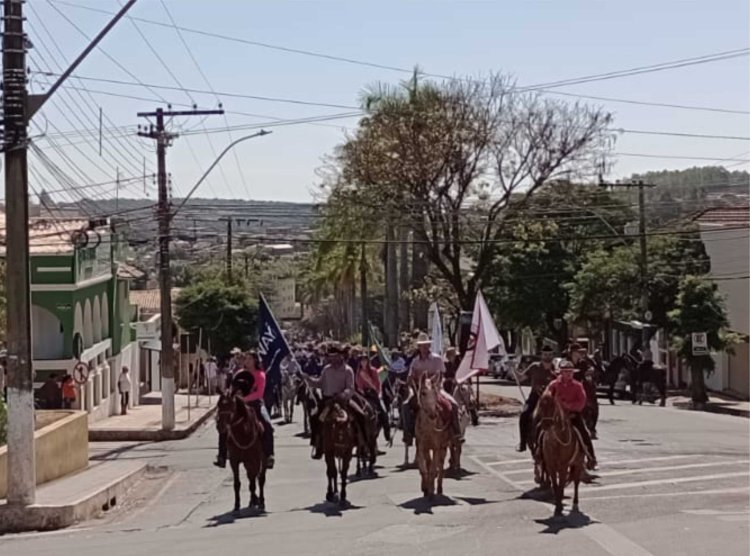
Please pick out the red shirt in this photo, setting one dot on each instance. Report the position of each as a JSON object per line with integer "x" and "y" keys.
{"x": 570, "y": 394}
{"x": 367, "y": 379}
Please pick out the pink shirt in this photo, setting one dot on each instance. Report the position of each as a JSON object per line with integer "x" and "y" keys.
{"x": 259, "y": 386}
{"x": 569, "y": 393}
{"x": 367, "y": 380}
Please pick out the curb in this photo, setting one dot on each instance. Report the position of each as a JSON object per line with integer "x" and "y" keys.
{"x": 50, "y": 518}
{"x": 141, "y": 435}
{"x": 716, "y": 410}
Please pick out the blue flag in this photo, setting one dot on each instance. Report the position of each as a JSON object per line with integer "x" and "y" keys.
{"x": 272, "y": 346}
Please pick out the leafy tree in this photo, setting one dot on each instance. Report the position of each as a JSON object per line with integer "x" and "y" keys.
{"x": 451, "y": 158}
{"x": 700, "y": 308}
{"x": 227, "y": 313}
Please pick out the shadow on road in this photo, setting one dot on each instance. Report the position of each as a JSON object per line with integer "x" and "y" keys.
{"x": 329, "y": 509}
{"x": 422, "y": 505}
{"x": 460, "y": 474}
{"x": 574, "y": 520}
{"x": 230, "y": 517}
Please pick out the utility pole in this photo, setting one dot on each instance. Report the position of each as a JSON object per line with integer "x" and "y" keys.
{"x": 643, "y": 259}
{"x": 18, "y": 109}
{"x": 164, "y": 139}
{"x": 391, "y": 287}
{"x": 229, "y": 249}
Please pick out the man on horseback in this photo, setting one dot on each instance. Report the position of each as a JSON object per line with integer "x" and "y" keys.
{"x": 584, "y": 374}
{"x": 572, "y": 397}
{"x": 431, "y": 365}
{"x": 250, "y": 382}
{"x": 541, "y": 373}
{"x": 336, "y": 382}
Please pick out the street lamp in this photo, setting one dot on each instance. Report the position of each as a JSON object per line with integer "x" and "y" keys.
{"x": 261, "y": 133}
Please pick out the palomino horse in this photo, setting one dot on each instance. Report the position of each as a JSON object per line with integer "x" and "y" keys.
{"x": 462, "y": 395}
{"x": 561, "y": 450}
{"x": 433, "y": 436}
{"x": 339, "y": 439}
{"x": 289, "y": 384}
{"x": 244, "y": 446}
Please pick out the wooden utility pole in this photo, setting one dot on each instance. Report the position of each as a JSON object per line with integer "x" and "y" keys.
{"x": 363, "y": 296}
{"x": 229, "y": 249}
{"x": 403, "y": 278}
{"x": 164, "y": 139}
{"x": 642, "y": 241}
{"x": 18, "y": 109}
{"x": 391, "y": 288}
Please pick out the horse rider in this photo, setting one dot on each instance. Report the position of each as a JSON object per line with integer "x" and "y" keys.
{"x": 572, "y": 397}
{"x": 367, "y": 383}
{"x": 336, "y": 382}
{"x": 431, "y": 365}
{"x": 250, "y": 382}
{"x": 451, "y": 366}
{"x": 540, "y": 373}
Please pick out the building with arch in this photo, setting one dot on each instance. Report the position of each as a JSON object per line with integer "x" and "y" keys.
{"x": 74, "y": 316}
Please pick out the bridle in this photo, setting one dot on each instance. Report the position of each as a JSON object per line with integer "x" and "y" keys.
{"x": 247, "y": 425}
{"x": 431, "y": 415}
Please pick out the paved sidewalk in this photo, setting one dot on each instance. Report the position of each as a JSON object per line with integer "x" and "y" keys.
{"x": 143, "y": 423}
{"x": 717, "y": 403}
{"x": 74, "y": 498}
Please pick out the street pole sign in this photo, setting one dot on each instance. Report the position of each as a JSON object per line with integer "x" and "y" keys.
{"x": 700, "y": 343}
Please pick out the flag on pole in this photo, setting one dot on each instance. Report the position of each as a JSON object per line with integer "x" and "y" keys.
{"x": 385, "y": 358}
{"x": 272, "y": 345}
{"x": 437, "y": 330}
{"x": 482, "y": 338}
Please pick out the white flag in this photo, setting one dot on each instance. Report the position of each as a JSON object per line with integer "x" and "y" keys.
{"x": 437, "y": 330}
{"x": 482, "y": 338}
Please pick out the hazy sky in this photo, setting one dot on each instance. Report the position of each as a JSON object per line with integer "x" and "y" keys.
{"x": 535, "y": 41}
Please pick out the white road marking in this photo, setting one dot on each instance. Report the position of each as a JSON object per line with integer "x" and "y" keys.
{"x": 668, "y": 494}
{"x": 615, "y": 543}
{"x": 640, "y": 470}
{"x": 509, "y": 461}
{"x": 614, "y": 462}
{"x": 594, "y": 488}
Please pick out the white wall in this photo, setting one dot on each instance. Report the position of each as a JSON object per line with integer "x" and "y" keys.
{"x": 48, "y": 340}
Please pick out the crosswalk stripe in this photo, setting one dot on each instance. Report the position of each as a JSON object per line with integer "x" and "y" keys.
{"x": 663, "y": 468}
{"x": 654, "y": 482}
{"x": 741, "y": 490}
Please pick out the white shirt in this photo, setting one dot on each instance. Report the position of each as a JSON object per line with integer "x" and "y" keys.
{"x": 123, "y": 383}
{"x": 211, "y": 369}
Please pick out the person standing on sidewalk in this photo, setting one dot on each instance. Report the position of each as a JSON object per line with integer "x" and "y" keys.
{"x": 124, "y": 386}
{"x": 69, "y": 393}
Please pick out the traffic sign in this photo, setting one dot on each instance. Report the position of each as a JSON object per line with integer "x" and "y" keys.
{"x": 699, "y": 341}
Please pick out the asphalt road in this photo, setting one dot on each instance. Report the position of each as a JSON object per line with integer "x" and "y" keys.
{"x": 672, "y": 483}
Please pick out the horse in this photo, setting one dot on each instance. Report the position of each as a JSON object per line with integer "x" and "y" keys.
{"x": 289, "y": 384}
{"x": 591, "y": 410}
{"x": 339, "y": 439}
{"x": 433, "y": 436}
{"x": 638, "y": 374}
{"x": 562, "y": 451}
{"x": 606, "y": 375}
{"x": 244, "y": 446}
{"x": 308, "y": 398}
{"x": 367, "y": 453}
{"x": 462, "y": 395}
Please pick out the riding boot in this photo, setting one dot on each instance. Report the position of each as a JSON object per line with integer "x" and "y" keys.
{"x": 221, "y": 459}
{"x": 523, "y": 432}
{"x": 588, "y": 444}
{"x": 268, "y": 447}
{"x": 455, "y": 422}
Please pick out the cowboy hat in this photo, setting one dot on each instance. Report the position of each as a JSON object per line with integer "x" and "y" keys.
{"x": 235, "y": 351}
{"x": 423, "y": 339}
{"x": 565, "y": 365}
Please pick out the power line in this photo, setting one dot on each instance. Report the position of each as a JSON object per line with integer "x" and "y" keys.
{"x": 365, "y": 63}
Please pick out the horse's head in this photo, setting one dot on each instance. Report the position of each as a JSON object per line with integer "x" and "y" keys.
{"x": 548, "y": 410}
{"x": 427, "y": 395}
{"x": 224, "y": 410}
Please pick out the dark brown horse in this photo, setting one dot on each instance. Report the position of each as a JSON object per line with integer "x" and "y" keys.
{"x": 367, "y": 453}
{"x": 562, "y": 451}
{"x": 339, "y": 439}
{"x": 244, "y": 446}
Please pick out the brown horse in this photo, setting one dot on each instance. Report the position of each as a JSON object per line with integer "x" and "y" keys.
{"x": 433, "y": 436}
{"x": 244, "y": 446}
{"x": 562, "y": 451}
{"x": 339, "y": 439}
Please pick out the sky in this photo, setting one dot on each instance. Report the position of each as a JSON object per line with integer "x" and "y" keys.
{"x": 532, "y": 41}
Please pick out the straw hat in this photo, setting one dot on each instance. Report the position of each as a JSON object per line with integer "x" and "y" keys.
{"x": 423, "y": 339}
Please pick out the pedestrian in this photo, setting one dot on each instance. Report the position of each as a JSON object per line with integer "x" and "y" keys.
{"x": 123, "y": 385}
{"x": 69, "y": 393}
{"x": 212, "y": 370}
{"x": 50, "y": 393}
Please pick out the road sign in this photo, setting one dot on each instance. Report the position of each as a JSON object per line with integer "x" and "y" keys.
{"x": 700, "y": 343}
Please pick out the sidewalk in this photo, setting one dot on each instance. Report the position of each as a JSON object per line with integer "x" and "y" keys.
{"x": 718, "y": 403}
{"x": 74, "y": 498}
{"x": 143, "y": 423}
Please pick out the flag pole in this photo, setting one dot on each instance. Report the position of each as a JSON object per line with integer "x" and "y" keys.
{"x": 518, "y": 383}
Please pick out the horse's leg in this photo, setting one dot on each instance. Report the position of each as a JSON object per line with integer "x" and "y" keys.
{"x": 406, "y": 455}
{"x": 251, "y": 479}
{"x": 331, "y": 474}
{"x": 262, "y": 489}
{"x": 611, "y": 390}
{"x": 344, "y": 473}
{"x": 235, "y": 464}
{"x": 558, "y": 492}
{"x": 576, "y": 482}
{"x": 439, "y": 467}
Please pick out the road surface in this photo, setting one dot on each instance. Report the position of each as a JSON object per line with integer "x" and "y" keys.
{"x": 672, "y": 483}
